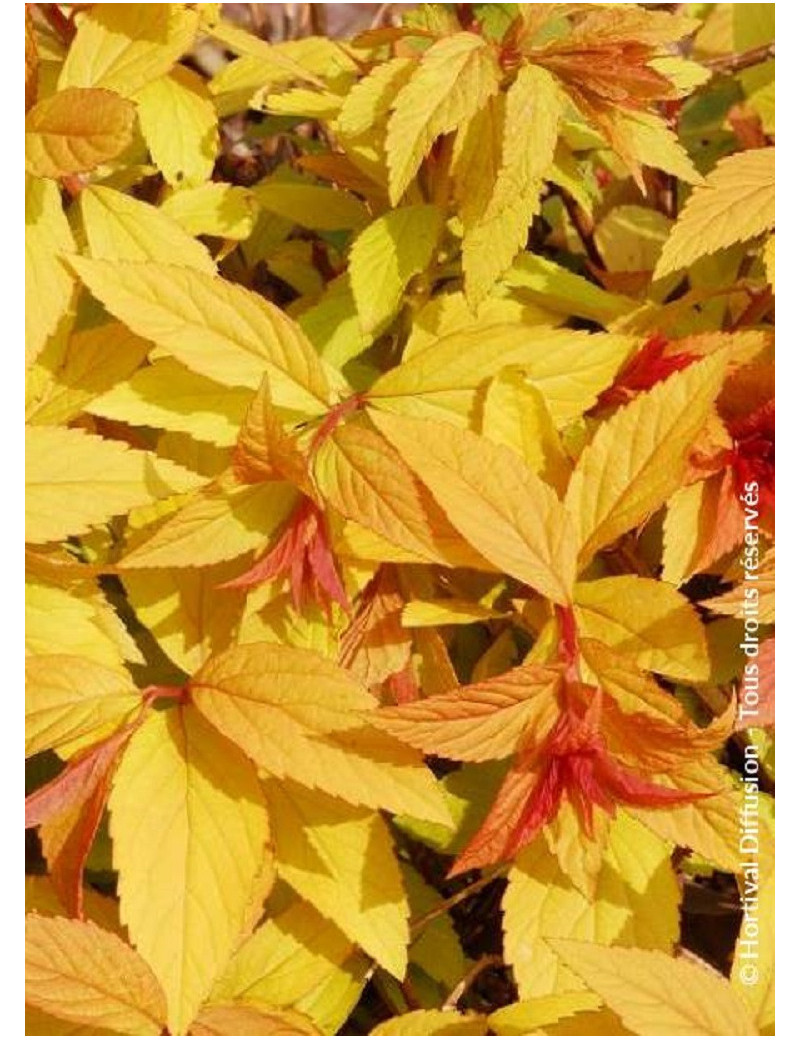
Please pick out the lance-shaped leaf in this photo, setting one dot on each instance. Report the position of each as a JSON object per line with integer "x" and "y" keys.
{"x": 341, "y": 858}
{"x": 658, "y": 995}
{"x": 79, "y": 972}
{"x": 736, "y": 202}
{"x": 491, "y": 497}
{"x": 123, "y": 47}
{"x": 119, "y": 227}
{"x": 484, "y": 721}
{"x": 636, "y": 458}
{"x": 49, "y": 285}
{"x": 74, "y": 131}
{"x": 569, "y": 369}
{"x": 216, "y": 329}
{"x": 264, "y": 451}
{"x": 384, "y": 258}
{"x": 249, "y": 1018}
{"x": 189, "y": 831}
{"x": 296, "y": 714}
{"x": 455, "y": 77}
{"x": 76, "y": 479}
{"x": 69, "y": 697}
{"x": 365, "y": 479}
{"x": 646, "y": 620}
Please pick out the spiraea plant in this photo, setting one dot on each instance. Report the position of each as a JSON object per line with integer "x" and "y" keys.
{"x": 400, "y": 519}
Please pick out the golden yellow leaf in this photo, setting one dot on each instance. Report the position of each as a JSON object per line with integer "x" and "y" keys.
{"x": 635, "y": 903}
{"x": 298, "y": 715}
{"x": 214, "y": 208}
{"x": 219, "y": 330}
{"x": 76, "y": 479}
{"x": 76, "y": 130}
{"x": 49, "y": 285}
{"x": 637, "y": 457}
{"x": 31, "y": 61}
{"x": 341, "y": 858}
{"x": 77, "y": 971}
{"x": 646, "y": 620}
{"x": 179, "y": 124}
{"x": 247, "y": 1018}
{"x": 369, "y": 100}
{"x": 189, "y": 832}
{"x": 736, "y": 202}
{"x": 569, "y": 369}
{"x": 656, "y": 994}
{"x": 432, "y": 1023}
{"x": 455, "y": 77}
{"x": 525, "y": 1016}
{"x": 430, "y": 613}
{"x": 119, "y": 227}
{"x": 169, "y": 396}
{"x": 491, "y": 497}
{"x": 122, "y": 47}
{"x": 71, "y": 697}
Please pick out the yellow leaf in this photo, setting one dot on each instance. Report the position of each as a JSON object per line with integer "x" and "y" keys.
{"x": 646, "y": 620}
{"x": 515, "y": 414}
{"x": 736, "y": 202}
{"x": 218, "y": 524}
{"x": 432, "y": 1023}
{"x": 250, "y": 1019}
{"x": 521, "y": 1018}
{"x": 215, "y": 208}
{"x": 362, "y": 477}
{"x": 533, "y": 107}
{"x": 189, "y": 831}
{"x": 76, "y": 130}
{"x": 562, "y": 291}
{"x": 636, "y": 903}
{"x": 341, "y": 858}
{"x": 385, "y": 257}
{"x": 757, "y": 988}
{"x": 491, "y": 497}
{"x": 311, "y": 205}
{"x": 430, "y": 613}
{"x": 31, "y": 61}
{"x": 71, "y": 697}
{"x": 568, "y": 368}
{"x": 656, "y": 994}
{"x": 368, "y": 102}
{"x": 179, "y": 125}
{"x": 77, "y": 971}
{"x": 76, "y": 480}
{"x": 300, "y": 716}
{"x": 643, "y": 138}
{"x": 637, "y": 457}
{"x": 92, "y": 361}
{"x": 769, "y": 260}
{"x": 455, "y": 78}
{"x": 119, "y": 227}
{"x": 219, "y": 330}
{"x": 186, "y": 611}
{"x": 122, "y": 47}
{"x": 292, "y": 960}
{"x": 169, "y": 396}
{"x": 629, "y": 238}
{"x": 49, "y": 285}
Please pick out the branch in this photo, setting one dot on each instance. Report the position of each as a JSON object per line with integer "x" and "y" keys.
{"x": 583, "y": 225}
{"x": 490, "y": 960}
{"x": 730, "y": 63}
{"x": 421, "y": 922}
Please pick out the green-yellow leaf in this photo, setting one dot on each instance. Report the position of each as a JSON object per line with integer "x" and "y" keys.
{"x": 76, "y": 130}
{"x": 341, "y": 858}
{"x": 491, "y": 497}
{"x": 386, "y": 256}
{"x": 219, "y": 330}
{"x": 658, "y": 995}
{"x": 76, "y": 480}
{"x": 565, "y": 292}
{"x": 189, "y": 831}
{"x": 636, "y": 458}
{"x": 77, "y": 971}
{"x": 735, "y": 203}
{"x": 311, "y": 205}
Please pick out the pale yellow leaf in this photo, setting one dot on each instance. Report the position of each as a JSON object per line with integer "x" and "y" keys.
{"x": 432, "y": 1023}
{"x": 491, "y": 497}
{"x": 637, "y": 457}
{"x": 49, "y": 285}
{"x": 215, "y": 208}
{"x": 525, "y": 1016}
{"x": 77, "y": 971}
{"x": 119, "y": 227}
{"x": 76, "y": 130}
{"x": 341, "y": 858}
{"x": 736, "y": 202}
{"x": 122, "y": 47}
{"x": 189, "y": 832}
{"x": 369, "y": 100}
{"x": 179, "y": 124}
{"x": 219, "y": 330}
{"x": 656, "y": 994}
{"x": 76, "y": 480}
